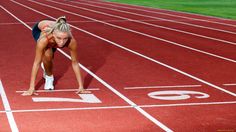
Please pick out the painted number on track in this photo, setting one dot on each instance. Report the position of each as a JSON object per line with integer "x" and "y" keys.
{"x": 176, "y": 95}
{"x": 85, "y": 98}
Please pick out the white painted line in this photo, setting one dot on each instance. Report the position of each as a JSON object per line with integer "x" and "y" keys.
{"x": 143, "y": 34}
{"x": 230, "y": 84}
{"x": 70, "y": 109}
{"x": 193, "y": 25}
{"x": 141, "y": 22}
{"x": 16, "y": 17}
{"x": 124, "y": 107}
{"x": 7, "y": 108}
{"x": 59, "y": 90}
{"x": 154, "y": 87}
{"x": 168, "y": 14}
{"x": 13, "y": 23}
{"x": 85, "y": 98}
{"x": 88, "y": 21}
{"x": 155, "y": 121}
{"x": 189, "y": 104}
{"x": 138, "y": 54}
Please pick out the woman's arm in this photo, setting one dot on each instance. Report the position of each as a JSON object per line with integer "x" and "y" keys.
{"x": 37, "y": 60}
{"x": 75, "y": 65}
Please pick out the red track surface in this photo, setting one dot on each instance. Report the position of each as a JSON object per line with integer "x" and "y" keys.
{"x": 172, "y": 65}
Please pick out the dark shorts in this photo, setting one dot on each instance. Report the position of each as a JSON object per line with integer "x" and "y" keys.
{"x": 36, "y": 34}
{"x": 36, "y": 31}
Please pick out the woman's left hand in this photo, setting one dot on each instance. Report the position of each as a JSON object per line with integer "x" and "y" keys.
{"x": 81, "y": 90}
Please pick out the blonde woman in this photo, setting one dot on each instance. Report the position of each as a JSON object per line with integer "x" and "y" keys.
{"x": 50, "y": 35}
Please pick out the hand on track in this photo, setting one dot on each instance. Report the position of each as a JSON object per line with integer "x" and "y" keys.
{"x": 82, "y": 91}
{"x": 29, "y": 93}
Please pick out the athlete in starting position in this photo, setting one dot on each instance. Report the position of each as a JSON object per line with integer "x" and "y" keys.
{"x": 50, "y": 35}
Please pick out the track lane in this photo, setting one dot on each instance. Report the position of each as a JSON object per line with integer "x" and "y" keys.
{"x": 112, "y": 57}
{"x": 203, "y": 118}
{"x": 64, "y": 76}
{"x": 161, "y": 125}
{"x": 156, "y": 31}
{"x": 168, "y": 12}
{"x": 158, "y": 15}
{"x": 118, "y": 15}
{"x": 182, "y": 40}
{"x": 85, "y": 120}
{"x": 166, "y": 53}
{"x": 4, "y": 123}
{"x": 24, "y": 119}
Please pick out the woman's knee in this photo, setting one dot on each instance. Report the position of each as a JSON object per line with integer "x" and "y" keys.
{"x": 48, "y": 55}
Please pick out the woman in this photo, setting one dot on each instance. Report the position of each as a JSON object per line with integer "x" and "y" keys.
{"x": 50, "y": 35}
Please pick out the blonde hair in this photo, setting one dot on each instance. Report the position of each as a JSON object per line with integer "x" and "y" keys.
{"x": 61, "y": 25}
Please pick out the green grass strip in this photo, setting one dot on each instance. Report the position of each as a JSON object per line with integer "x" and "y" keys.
{"x": 218, "y": 8}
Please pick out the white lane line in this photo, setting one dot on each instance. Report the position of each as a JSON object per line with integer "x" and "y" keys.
{"x": 141, "y": 22}
{"x": 124, "y": 107}
{"x": 172, "y": 86}
{"x": 138, "y": 54}
{"x": 7, "y": 108}
{"x": 230, "y": 84}
{"x": 168, "y": 14}
{"x": 143, "y": 34}
{"x": 184, "y": 23}
{"x": 82, "y": 21}
{"x": 71, "y": 109}
{"x": 60, "y": 90}
{"x": 189, "y": 104}
{"x": 131, "y": 103}
{"x": 154, "y": 87}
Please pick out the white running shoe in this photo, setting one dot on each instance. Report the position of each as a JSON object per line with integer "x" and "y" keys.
{"x": 48, "y": 80}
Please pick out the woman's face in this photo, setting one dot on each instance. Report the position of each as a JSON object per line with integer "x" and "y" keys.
{"x": 60, "y": 38}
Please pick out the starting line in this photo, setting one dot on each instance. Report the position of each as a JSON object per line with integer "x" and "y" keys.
{"x": 85, "y": 98}
{"x": 122, "y": 107}
{"x": 60, "y": 90}
{"x": 160, "y": 95}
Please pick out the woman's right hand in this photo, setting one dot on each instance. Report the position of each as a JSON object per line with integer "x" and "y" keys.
{"x": 29, "y": 92}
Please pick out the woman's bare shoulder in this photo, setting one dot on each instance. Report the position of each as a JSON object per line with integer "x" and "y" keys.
{"x": 72, "y": 43}
{"x": 45, "y": 23}
{"x": 42, "y": 42}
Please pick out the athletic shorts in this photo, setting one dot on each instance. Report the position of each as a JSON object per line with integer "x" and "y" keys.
{"x": 36, "y": 31}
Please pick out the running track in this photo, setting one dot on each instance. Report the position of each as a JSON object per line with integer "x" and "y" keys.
{"x": 148, "y": 69}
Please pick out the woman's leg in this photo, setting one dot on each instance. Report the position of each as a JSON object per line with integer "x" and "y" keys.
{"x": 48, "y": 67}
{"x": 48, "y": 61}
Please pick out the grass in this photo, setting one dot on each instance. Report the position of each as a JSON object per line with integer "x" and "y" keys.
{"x": 218, "y": 8}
